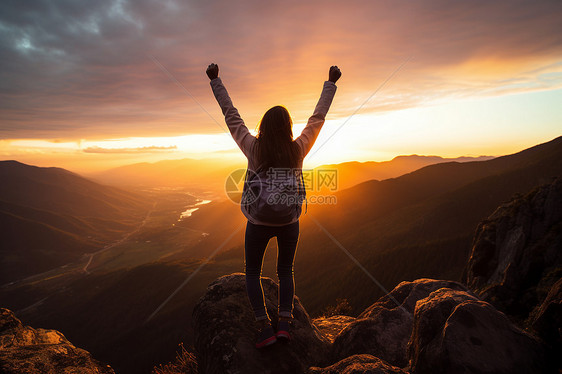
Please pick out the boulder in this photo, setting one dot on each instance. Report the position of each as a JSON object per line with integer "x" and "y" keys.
{"x": 358, "y": 364}
{"x": 407, "y": 295}
{"x": 24, "y": 349}
{"x": 226, "y": 332}
{"x": 384, "y": 328}
{"x": 517, "y": 248}
{"x": 455, "y": 332}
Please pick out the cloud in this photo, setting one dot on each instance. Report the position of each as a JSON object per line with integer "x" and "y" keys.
{"x": 81, "y": 68}
{"x": 152, "y": 149}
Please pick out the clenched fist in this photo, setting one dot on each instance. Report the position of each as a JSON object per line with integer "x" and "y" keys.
{"x": 213, "y": 71}
{"x": 334, "y": 74}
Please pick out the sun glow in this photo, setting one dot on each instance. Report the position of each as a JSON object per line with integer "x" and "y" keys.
{"x": 462, "y": 127}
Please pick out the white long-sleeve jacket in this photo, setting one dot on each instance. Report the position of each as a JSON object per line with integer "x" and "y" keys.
{"x": 246, "y": 140}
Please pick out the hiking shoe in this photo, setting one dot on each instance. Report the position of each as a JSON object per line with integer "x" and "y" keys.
{"x": 283, "y": 331}
{"x": 266, "y": 337}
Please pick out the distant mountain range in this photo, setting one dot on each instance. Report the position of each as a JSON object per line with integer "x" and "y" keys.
{"x": 199, "y": 175}
{"x": 352, "y": 173}
{"x": 416, "y": 225}
{"x": 210, "y": 175}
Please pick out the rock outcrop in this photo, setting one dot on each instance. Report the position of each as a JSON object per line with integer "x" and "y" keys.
{"x": 516, "y": 263}
{"x": 516, "y": 255}
{"x": 225, "y": 332}
{"x": 27, "y": 350}
{"x": 384, "y": 328}
{"x": 455, "y": 332}
{"x": 424, "y": 326}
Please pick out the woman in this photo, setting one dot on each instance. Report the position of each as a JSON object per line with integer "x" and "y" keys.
{"x": 272, "y": 149}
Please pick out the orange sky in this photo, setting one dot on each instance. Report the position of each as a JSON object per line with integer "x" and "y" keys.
{"x": 79, "y": 89}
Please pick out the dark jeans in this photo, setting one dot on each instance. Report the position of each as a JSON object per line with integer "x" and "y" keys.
{"x": 257, "y": 237}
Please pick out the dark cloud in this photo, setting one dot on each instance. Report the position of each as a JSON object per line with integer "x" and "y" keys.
{"x": 81, "y": 68}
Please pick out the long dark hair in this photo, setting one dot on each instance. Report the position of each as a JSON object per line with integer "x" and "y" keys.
{"x": 275, "y": 146}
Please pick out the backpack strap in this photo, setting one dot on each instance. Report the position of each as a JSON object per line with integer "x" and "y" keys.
{"x": 304, "y": 189}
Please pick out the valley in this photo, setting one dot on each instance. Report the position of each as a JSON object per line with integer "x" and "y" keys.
{"x": 140, "y": 245}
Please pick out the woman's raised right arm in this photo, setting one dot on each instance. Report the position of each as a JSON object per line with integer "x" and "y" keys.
{"x": 316, "y": 121}
{"x": 235, "y": 123}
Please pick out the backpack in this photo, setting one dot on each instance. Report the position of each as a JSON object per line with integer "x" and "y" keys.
{"x": 274, "y": 195}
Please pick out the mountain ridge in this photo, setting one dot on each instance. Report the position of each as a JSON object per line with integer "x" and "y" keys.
{"x": 198, "y": 173}
{"x": 52, "y": 216}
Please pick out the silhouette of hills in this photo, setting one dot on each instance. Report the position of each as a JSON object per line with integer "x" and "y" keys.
{"x": 198, "y": 175}
{"x": 210, "y": 175}
{"x": 354, "y": 172}
{"x": 51, "y": 216}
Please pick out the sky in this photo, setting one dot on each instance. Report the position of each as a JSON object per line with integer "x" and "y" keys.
{"x": 89, "y": 85}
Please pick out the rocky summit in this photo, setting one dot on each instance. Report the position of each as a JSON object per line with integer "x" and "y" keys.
{"x": 516, "y": 263}
{"x": 516, "y": 248}
{"x": 225, "y": 332}
{"x": 24, "y": 349}
{"x": 425, "y": 326}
